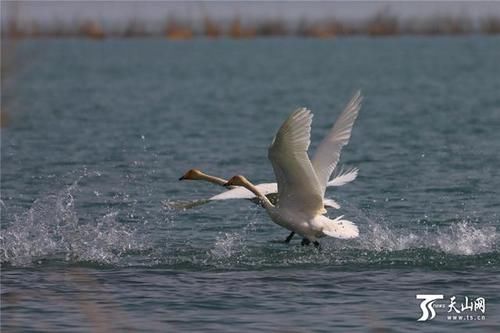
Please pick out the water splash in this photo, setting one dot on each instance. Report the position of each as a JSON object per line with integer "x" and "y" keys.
{"x": 232, "y": 245}
{"x": 51, "y": 229}
{"x": 227, "y": 245}
{"x": 463, "y": 238}
{"x": 467, "y": 239}
{"x": 455, "y": 245}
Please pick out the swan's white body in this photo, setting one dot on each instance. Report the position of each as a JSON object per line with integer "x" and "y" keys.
{"x": 312, "y": 226}
{"x": 302, "y": 182}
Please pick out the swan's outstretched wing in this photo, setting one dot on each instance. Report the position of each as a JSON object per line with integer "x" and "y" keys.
{"x": 298, "y": 186}
{"x": 328, "y": 152}
{"x": 242, "y": 193}
{"x": 343, "y": 177}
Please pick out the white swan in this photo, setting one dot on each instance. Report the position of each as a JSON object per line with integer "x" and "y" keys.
{"x": 302, "y": 182}
{"x": 268, "y": 189}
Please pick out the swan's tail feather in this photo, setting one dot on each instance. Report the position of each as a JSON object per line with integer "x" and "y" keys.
{"x": 183, "y": 205}
{"x": 343, "y": 177}
{"x": 341, "y": 228}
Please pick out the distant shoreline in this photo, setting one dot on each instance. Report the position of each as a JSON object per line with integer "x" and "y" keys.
{"x": 379, "y": 25}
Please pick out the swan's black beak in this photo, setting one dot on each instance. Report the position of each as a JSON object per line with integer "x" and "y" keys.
{"x": 182, "y": 178}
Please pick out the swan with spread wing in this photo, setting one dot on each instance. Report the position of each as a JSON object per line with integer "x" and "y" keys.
{"x": 301, "y": 181}
{"x": 270, "y": 190}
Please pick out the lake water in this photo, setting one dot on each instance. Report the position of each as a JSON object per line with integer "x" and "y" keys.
{"x": 100, "y": 132}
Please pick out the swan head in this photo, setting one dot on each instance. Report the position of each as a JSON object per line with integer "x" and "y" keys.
{"x": 192, "y": 174}
{"x": 237, "y": 181}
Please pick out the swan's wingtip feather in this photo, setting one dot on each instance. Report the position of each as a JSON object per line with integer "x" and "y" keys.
{"x": 343, "y": 177}
{"x": 331, "y": 203}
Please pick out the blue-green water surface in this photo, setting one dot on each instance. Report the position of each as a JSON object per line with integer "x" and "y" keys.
{"x": 99, "y": 132}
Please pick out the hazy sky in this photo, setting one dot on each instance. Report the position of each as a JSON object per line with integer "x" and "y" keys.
{"x": 159, "y": 10}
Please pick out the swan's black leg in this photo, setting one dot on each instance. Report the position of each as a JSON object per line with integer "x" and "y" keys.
{"x": 317, "y": 245}
{"x": 289, "y": 238}
{"x": 305, "y": 241}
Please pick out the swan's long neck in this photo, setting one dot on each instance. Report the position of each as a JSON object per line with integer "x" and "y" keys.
{"x": 265, "y": 201}
{"x": 213, "y": 179}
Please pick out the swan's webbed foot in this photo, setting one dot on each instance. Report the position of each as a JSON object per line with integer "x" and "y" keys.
{"x": 306, "y": 241}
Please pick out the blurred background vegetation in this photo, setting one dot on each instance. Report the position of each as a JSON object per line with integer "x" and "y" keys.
{"x": 194, "y": 19}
